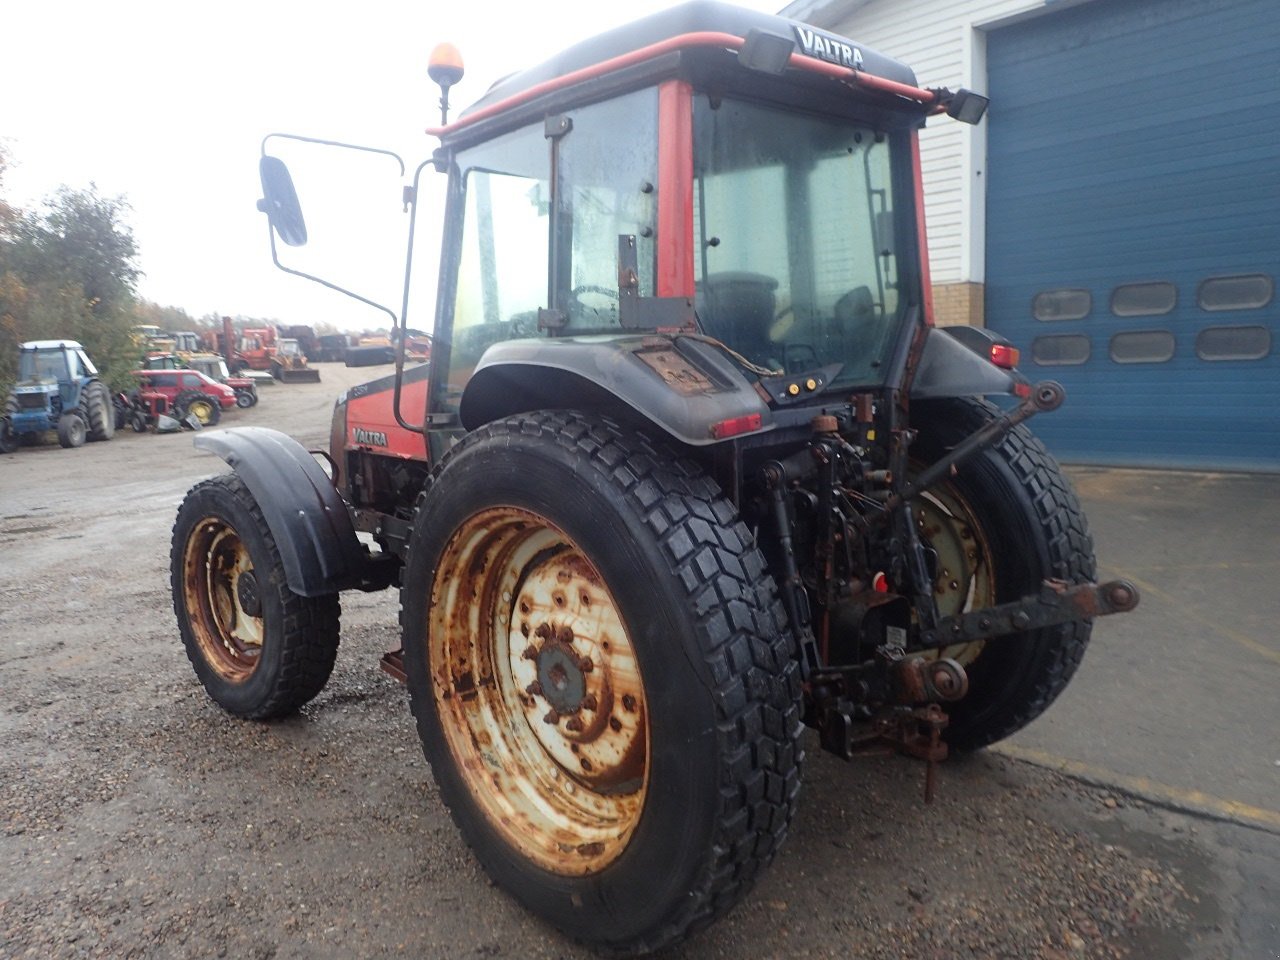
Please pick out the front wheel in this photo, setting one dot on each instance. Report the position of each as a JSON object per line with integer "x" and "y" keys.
{"x": 601, "y": 678}
{"x": 1006, "y": 520}
{"x": 71, "y": 430}
{"x": 8, "y": 439}
{"x": 245, "y": 399}
{"x": 260, "y": 650}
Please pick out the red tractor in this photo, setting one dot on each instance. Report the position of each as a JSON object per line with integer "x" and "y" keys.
{"x": 690, "y": 469}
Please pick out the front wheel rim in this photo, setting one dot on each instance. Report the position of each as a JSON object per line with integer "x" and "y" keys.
{"x": 223, "y": 600}
{"x": 538, "y": 690}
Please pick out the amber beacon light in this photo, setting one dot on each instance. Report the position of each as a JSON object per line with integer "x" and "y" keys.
{"x": 444, "y": 66}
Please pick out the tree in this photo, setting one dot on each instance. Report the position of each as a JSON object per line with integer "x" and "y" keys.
{"x": 69, "y": 272}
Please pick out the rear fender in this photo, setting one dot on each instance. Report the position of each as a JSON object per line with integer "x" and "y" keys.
{"x": 948, "y": 368}
{"x": 681, "y": 385}
{"x": 308, "y": 519}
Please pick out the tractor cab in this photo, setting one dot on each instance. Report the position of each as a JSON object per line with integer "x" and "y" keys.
{"x": 724, "y": 204}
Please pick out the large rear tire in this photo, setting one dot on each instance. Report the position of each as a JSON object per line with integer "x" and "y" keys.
{"x": 601, "y": 677}
{"x": 205, "y": 408}
{"x": 99, "y": 411}
{"x": 1006, "y": 520}
{"x": 260, "y": 650}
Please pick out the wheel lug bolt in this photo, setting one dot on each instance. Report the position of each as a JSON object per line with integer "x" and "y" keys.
{"x": 551, "y": 717}
{"x": 534, "y": 689}
{"x": 566, "y": 634}
{"x": 530, "y": 653}
{"x": 585, "y": 665}
{"x": 543, "y": 632}
{"x": 589, "y": 702}
{"x": 574, "y": 725}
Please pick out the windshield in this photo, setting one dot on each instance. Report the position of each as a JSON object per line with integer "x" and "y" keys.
{"x": 795, "y": 259}
{"x": 42, "y": 365}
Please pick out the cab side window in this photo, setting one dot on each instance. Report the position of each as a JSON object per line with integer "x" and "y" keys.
{"x": 502, "y": 267}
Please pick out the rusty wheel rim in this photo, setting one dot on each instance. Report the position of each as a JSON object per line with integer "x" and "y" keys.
{"x": 966, "y": 579}
{"x": 223, "y": 599}
{"x": 538, "y": 690}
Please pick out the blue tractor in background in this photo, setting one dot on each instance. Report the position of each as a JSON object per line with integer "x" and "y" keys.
{"x": 58, "y": 389}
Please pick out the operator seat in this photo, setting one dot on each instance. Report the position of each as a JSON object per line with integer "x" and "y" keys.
{"x": 856, "y": 328}
{"x": 738, "y": 308}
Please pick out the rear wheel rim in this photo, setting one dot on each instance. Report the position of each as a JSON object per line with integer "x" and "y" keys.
{"x": 966, "y": 573}
{"x": 202, "y": 409}
{"x": 538, "y": 690}
{"x": 223, "y": 600}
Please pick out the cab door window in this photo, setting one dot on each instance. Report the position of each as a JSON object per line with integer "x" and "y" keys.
{"x": 502, "y": 263}
{"x": 608, "y": 175}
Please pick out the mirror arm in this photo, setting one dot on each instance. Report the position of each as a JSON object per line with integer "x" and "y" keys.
{"x": 332, "y": 143}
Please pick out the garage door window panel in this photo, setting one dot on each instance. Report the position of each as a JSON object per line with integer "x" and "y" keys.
{"x": 1233, "y": 343}
{"x": 1151, "y": 299}
{"x": 1244, "y": 292}
{"x": 1143, "y": 346}
{"x": 1066, "y": 304}
{"x": 1061, "y": 350}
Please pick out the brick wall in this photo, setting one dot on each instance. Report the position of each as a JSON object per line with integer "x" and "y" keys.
{"x": 955, "y": 303}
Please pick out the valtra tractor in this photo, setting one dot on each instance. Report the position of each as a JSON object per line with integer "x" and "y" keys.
{"x": 690, "y": 469}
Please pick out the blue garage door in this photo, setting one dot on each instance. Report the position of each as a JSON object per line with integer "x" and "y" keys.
{"x": 1133, "y": 226}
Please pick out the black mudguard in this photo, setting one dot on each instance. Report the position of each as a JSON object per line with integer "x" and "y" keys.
{"x": 307, "y": 518}
{"x": 681, "y": 384}
{"x": 948, "y": 368}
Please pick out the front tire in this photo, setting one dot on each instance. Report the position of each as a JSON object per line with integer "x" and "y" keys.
{"x": 260, "y": 650}
{"x": 71, "y": 430}
{"x": 601, "y": 678}
{"x": 1005, "y": 521}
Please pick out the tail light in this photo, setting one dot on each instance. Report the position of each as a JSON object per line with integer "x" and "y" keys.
{"x": 1004, "y": 356}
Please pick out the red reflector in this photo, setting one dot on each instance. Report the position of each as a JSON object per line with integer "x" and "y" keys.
{"x": 1004, "y": 356}
{"x": 1022, "y": 390}
{"x": 737, "y": 425}
{"x": 880, "y": 583}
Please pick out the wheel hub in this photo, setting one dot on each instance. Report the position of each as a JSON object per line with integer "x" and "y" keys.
{"x": 561, "y": 679}
{"x": 247, "y": 591}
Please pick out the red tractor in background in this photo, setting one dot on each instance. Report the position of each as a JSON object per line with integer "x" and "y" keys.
{"x": 690, "y": 469}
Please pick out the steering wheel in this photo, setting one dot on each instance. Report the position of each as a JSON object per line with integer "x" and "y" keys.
{"x": 578, "y": 308}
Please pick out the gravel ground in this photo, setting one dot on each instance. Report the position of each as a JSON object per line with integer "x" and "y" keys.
{"x": 138, "y": 820}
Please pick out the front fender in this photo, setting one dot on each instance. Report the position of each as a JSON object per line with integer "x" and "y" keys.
{"x": 307, "y": 518}
{"x": 680, "y": 384}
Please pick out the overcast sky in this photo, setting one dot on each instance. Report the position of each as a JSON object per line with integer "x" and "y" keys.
{"x": 166, "y": 103}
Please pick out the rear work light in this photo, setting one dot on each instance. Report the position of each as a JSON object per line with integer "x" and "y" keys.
{"x": 1005, "y": 356}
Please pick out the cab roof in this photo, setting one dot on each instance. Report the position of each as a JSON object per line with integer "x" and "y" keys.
{"x": 51, "y": 345}
{"x": 699, "y": 16}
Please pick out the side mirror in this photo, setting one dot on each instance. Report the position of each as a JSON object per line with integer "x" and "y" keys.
{"x": 280, "y": 202}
